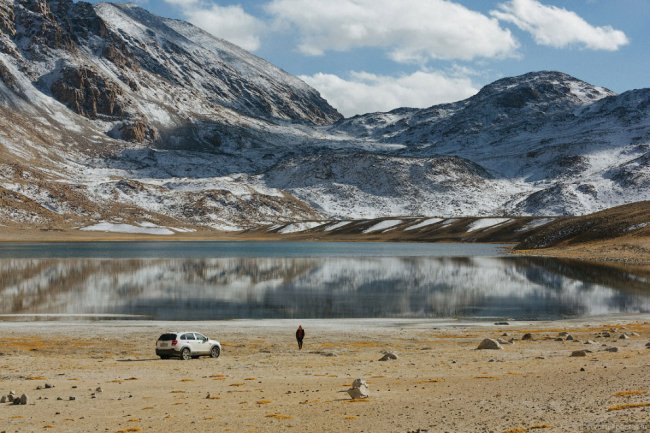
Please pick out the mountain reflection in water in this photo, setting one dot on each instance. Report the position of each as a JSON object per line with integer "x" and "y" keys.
{"x": 321, "y": 287}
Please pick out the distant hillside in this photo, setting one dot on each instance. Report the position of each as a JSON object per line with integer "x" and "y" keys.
{"x": 112, "y": 115}
{"x": 620, "y": 223}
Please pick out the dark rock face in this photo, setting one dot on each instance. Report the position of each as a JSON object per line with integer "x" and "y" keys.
{"x": 7, "y": 18}
{"x": 136, "y": 131}
{"x": 88, "y": 93}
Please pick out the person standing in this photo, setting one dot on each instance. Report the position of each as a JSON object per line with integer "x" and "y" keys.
{"x": 300, "y": 335}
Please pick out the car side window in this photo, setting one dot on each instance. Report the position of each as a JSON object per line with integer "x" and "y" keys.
{"x": 200, "y": 337}
{"x": 187, "y": 337}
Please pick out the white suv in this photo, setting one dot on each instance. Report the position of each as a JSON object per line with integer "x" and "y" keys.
{"x": 186, "y": 345}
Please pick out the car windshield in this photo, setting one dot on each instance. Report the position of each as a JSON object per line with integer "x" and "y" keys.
{"x": 167, "y": 337}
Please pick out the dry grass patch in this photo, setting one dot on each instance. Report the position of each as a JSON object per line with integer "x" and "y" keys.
{"x": 279, "y": 416}
{"x": 129, "y": 430}
{"x": 430, "y": 381}
{"x": 350, "y": 417}
{"x": 630, "y": 393}
{"x": 540, "y": 426}
{"x": 36, "y": 378}
{"x": 237, "y": 384}
{"x": 250, "y": 378}
{"x": 260, "y": 402}
{"x": 186, "y": 380}
{"x": 516, "y": 430}
{"x": 627, "y": 406}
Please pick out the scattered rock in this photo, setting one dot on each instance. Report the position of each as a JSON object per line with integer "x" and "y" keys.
{"x": 623, "y": 337}
{"x": 23, "y": 399}
{"x": 527, "y": 336}
{"x": 576, "y": 353}
{"x": 501, "y": 341}
{"x": 489, "y": 344}
{"x": 359, "y": 389}
{"x": 388, "y": 356}
{"x": 501, "y": 323}
{"x": 505, "y": 334}
{"x": 590, "y": 342}
{"x": 647, "y": 345}
{"x": 605, "y": 334}
{"x": 48, "y": 386}
{"x": 612, "y": 349}
{"x": 3, "y": 399}
{"x": 59, "y": 398}
{"x": 72, "y": 398}
{"x": 559, "y": 339}
{"x": 633, "y": 334}
{"x": 582, "y": 369}
{"x": 99, "y": 389}
{"x": 563, "y": 334}
{"x": 569, "y": 337}
{"x": 39, "y": 387}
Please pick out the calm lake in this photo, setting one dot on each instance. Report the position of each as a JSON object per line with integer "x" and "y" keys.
{"x": 229, "y": 280}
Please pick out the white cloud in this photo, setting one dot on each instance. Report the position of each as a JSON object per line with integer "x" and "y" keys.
{"x": 412, "y": 30}
{"x": 364, "y": 92}
{"x": 231, "y": 23}
{"x": 557, "y": 27}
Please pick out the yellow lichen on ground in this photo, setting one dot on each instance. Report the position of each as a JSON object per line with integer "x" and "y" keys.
{"x": 627, "y": 406}
{"x": 278, "y": 416}
{"x": 630, "y": 393}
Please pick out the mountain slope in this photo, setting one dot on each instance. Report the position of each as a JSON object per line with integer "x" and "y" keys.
{"x": 111, "y": 114}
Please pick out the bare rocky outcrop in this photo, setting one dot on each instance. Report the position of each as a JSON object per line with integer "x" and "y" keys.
{"x": 87, "y": 92}
{"x": 136, "y": 131}
{"x": 7, "y": 18}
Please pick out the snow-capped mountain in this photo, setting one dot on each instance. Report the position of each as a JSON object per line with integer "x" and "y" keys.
{"x": 112, "y": 114}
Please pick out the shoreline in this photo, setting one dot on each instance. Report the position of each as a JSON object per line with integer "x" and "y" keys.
{"x": 104, "y": 376}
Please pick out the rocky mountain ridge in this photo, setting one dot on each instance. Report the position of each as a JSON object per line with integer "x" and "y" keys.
{"x": 112, "y": 114}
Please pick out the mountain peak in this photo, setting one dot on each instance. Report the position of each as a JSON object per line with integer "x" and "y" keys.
{"x": 543, "y": 87}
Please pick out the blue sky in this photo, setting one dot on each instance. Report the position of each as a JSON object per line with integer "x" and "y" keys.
{"x": 375, "y": 55}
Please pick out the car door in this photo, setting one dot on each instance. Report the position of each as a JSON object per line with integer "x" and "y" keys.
{"x": 202, "y": 343}
{"x": 189, "y": 340}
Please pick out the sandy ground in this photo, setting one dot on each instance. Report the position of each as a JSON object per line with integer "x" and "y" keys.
{"x": 262, "y": 383}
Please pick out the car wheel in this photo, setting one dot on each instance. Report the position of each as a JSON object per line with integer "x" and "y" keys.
{"x": 215, "y": 352}
{"x": 186, "y": 355}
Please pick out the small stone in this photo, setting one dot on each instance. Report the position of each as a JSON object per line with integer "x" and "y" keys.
{"x": 48, "y": 386}
{"x": 59, "y": 398}
{"x": 99, "y": 389}
{"x": 489, "y": 344}
{"x": 505, "y": 334}
{"x": 559, "y": 339}
{"x": 388, "y": 356}
{"x": 72, "y": 398}
{"x": 563, "y": 334}
{"x": 74, "y": 386}
{"x": 569, "y": 337}
{"x": 11, "y": 397}
{"x": 579, "y": 353}
{"x": 612, "y": 349}
{"x": 3, "y": 399}
{"x": 501, "y": 341}
{"x": 38, "y": 388}
{"x": 647, "y": 345}
{"x": 605, "y": 334}
{"x": 359, "y": 389}
{"x": 501, "y": 323}
{"x": 527, "y": 336}
{"x": 590, "y": 342}
{"x": 582, "y": 369}
{"x": 633, "y": 334}
{"x": 623, "y": 337}
{"x": 23, "y": 399}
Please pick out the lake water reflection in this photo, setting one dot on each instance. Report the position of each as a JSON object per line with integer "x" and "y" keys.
{"x": 347, "y": 283}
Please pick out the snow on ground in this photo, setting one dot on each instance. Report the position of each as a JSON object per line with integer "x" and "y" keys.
{"x": 485, "y": 223}
{"x": 337, "y": 226}
{"x": 382, "y": 226}
{"x": 299, "y": 227}
{"x": 150, "y": 229}
{"x": 534, "y": 224}
{"x": 424, "y": 223}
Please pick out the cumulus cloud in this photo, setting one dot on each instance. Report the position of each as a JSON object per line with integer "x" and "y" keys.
{"x": 557, "y": 27}
{"x": 231, "y": 23}
{"x": 364, "y": 92}
{"x": 411, "y": 30}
